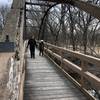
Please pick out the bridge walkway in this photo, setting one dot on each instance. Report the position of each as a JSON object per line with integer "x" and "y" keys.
{"x": 44, "y": 81}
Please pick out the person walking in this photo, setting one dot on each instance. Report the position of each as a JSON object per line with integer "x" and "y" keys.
{"x": 32, "y": 44}
{"x": 41, "y": 47}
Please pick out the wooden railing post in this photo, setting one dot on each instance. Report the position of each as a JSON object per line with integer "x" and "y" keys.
{"x": 83, "y": 66}
{"x": 46, "y": 46}
{"x": 57, "y": 54}
{"x": 61, "y": 54}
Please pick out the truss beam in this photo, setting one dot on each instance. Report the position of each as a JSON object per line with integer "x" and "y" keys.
{"x": 85, "y": 6}
{"x": 29, "y": 10}
{"x": 38, "y": 4}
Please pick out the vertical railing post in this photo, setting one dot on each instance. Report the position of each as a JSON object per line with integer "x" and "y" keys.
{"x": 46, "y": 46}
{"x": 61, "y": 54}
{"x": 83, "y": 66}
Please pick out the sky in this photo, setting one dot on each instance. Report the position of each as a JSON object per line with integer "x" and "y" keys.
{"x": 5, "y": 2}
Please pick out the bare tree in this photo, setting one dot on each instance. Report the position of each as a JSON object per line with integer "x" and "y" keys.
{"x": 71, "y": 25}
{"x": 3, "y": 12}
{"x": 62, "y": 22}
{"x": 66, "y": 23}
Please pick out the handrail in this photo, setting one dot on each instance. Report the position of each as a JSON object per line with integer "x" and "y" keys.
{"x": 61, "y": 53}
{"x": 81, "y": 56}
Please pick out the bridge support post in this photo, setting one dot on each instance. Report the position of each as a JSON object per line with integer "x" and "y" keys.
{"x": 62, "y": 57}
{"x": 83, "y": 66}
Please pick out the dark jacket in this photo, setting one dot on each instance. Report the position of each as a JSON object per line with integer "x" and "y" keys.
{"x": 41, "y": 46}
{"x": 32, "y": 44}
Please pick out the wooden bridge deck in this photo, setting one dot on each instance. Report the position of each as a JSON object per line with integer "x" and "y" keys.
{"x": 45, "y": 82}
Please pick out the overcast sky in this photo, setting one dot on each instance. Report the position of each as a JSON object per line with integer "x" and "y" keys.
{"x": 5, "y": 2}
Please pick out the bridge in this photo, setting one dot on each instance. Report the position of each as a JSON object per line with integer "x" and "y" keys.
{"x": 61, "y": 74}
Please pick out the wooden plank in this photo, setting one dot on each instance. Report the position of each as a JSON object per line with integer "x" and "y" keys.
{"x": 95, "y": 81}
{"x": 90, "y": 97}
{"x": 44, "y": 81}
{"x": 76, "y": 54}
